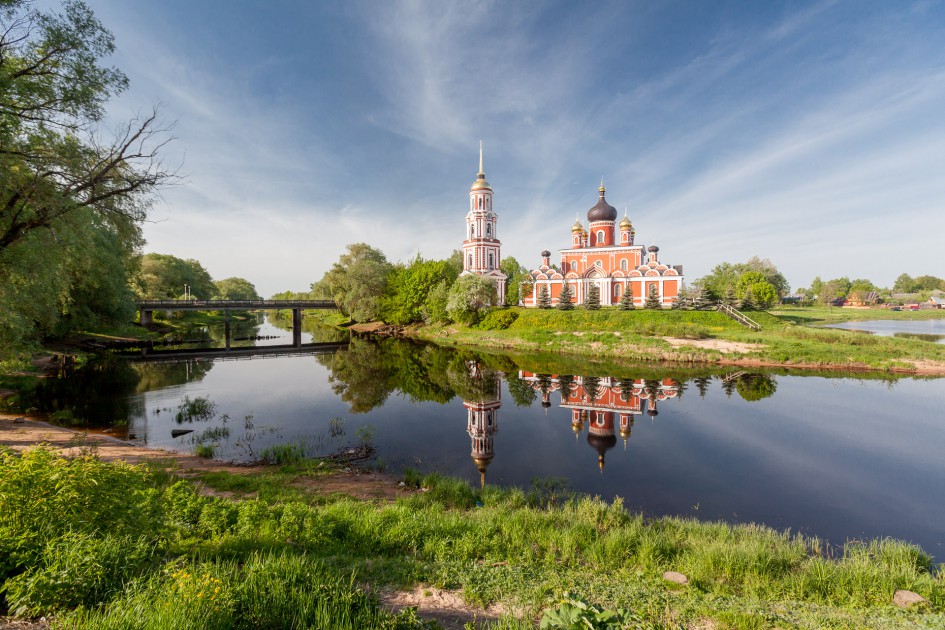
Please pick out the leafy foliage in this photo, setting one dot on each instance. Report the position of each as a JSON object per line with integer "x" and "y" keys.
{"x": 357, "y": 282}
{"x": 409, "y": 287}
{"x": 235, "y": 289}
{"x": 163, "y": 276}
{"x": 469, "y": 296}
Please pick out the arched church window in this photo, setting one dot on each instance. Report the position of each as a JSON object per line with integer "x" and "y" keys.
{"x": 472, "y": 230}
{"x": 480, "y": 203}
{"x": 488, "y": 229}
{"x": 469, "y": 266}
{"x": 573, "y": 265}
{"x": 491, "y": 261}
{"x": 600, "y": 236}
{"x": 598, "y": 263}
{"x": 626, "y": 237}
{"x": 623, "y": 265}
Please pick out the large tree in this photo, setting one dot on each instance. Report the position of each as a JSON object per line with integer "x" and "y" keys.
{"x": 53, "y": 89}
{"x": 72, "y": 194}
{"x": 235, "y": 289}
{"x": 469, "y": 296}
{"x": 409, "y": 286}
{"x": 516, "y": 277}
{"x": 357, "y": 282}
{"x": 163, "y": 276}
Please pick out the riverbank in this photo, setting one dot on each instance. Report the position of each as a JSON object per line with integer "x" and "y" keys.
{"x": 695, "y": 338}
{"x": 496, "y": 557}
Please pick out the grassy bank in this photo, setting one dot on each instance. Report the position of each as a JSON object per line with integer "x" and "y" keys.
{"x": 785, "y": 339}
{"x": 104, "y": 545}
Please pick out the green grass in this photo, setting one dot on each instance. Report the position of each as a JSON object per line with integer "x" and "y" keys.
{"x": 641, "y": 336}
{"x": 115, "y": 546}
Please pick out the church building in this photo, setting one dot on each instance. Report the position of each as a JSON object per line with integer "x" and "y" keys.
{"x": 481, "y": 248}
{"x": 604, "y": 254}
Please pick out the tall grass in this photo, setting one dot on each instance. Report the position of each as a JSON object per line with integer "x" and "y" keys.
{"x": 120, "y": 550}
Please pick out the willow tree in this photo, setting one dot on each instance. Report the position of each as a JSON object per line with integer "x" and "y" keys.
{"x": 73, "y": 189}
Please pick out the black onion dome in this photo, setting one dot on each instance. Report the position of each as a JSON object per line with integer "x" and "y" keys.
{"x": 603, "y": 211}
{"x": 545, "y": 253}
{"x": 653, "y": 248}
{"x": 602, "y": 443}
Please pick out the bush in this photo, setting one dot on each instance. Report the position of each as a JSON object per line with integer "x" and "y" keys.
{"x": 498, "y": 319}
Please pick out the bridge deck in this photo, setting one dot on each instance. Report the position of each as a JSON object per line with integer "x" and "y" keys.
{"x": 214, "y": 305}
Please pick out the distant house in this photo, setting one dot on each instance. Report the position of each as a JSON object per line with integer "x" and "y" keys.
{"x": 935, "y": 302}
{"x": 859, "y": 298}
{"x": 794, "y": 298}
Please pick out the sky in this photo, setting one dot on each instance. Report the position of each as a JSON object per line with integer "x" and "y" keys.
{"x": 809, "y": 133}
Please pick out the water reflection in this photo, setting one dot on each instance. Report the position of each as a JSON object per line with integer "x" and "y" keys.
{"x": 862, "y": 459}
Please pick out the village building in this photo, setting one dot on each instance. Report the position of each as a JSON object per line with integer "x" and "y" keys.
{"x": 482, "y": 253}
{"x": 605, "y": 254}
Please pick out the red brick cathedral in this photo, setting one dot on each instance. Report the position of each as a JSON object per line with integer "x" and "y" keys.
{"x": 605, "y": 254}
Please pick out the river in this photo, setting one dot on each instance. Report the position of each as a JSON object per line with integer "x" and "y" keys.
{"x": 830, "y": 455}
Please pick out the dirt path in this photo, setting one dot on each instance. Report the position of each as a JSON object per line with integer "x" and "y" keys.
{"x": 446, "y": 607}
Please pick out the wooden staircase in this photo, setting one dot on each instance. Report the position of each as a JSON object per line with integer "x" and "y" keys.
{"x": 739, "y": 317}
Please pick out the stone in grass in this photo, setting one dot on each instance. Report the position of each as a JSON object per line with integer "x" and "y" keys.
{"x": 675, "y": 577}
{"x": 906, "y": 599}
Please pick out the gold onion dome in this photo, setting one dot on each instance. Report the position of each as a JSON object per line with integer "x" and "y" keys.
{"x": 625, "y": 223}
{"x": 577, "y": 227}
{"x": 480, "y": 183}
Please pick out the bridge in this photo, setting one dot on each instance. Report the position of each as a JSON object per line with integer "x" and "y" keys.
{"x": 146, "y": 310}
{"x": 234, "y": 354}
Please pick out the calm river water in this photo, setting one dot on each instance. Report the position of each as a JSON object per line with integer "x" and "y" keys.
{"x": 833, "y": 456}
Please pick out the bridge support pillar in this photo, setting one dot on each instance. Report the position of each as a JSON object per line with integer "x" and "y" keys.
{"x": 226, "y": 326}
{"x": 147, "y": 317}
{"x": 297, "y": 327}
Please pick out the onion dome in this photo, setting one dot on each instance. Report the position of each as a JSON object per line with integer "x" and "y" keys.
{"x": 625, "y": 223}
{"x": 603, "y": 211}
{"x": 545, "y": 253}
{"x": 601, "y": 444}
{"x": 577, "y": 227}
{"x": 653, "y": 248}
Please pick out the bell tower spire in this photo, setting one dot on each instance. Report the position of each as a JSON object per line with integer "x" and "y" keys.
{"x": 482, "y": 253}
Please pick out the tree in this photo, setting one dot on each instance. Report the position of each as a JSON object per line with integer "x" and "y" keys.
{"x": 747, "y": 302}
{"x": 592, "y": 303}
{"x": 357, "y": 281}
{"x": 626, "y": 300}
{"x": 434, "y": 307}
{"x": 71, "y": 204}
{"x": 730, "y": 297}
{"x": 725, "y": 275}
{"x": 544, "y": 300}
{"x": 163, "y": 276}
{"x": 763, "y": 293}
{"x": 652, "y": 299}
{"x": 52, "y": 96}
{"x": 235, "y": 289}
{"x": 515, "y": 276}
{"x": 408, "y": 287}
{"x": 704, "y": 299}
{"x": 469, "y": 297}
{"x": 564, "y": 298}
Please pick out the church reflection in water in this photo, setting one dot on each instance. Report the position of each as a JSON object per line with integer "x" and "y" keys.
{"x": 605, "y": 406}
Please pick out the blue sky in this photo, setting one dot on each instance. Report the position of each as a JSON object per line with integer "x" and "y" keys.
{"x": 810, "y": 133}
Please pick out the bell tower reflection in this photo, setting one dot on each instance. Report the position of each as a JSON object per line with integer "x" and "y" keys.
{"x": 481, "y": 416}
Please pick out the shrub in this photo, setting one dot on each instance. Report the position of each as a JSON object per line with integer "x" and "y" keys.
{"x": 498, "y": 319}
